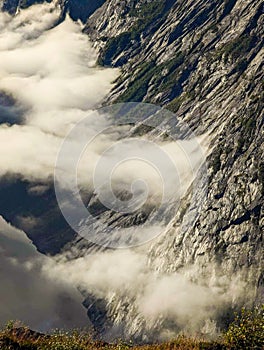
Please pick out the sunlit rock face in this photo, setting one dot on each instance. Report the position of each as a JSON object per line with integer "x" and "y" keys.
{"x": 203, "y": 61}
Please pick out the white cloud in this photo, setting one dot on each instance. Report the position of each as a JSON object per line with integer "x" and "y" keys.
{"x": 27, "y": 294}
{"x": 51, "y": 71}
{"x": 176, "y": 301}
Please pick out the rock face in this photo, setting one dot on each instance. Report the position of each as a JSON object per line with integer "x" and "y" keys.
{"x": 203, "y": 60}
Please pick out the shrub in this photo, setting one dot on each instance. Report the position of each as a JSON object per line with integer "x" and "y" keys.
{"x": 237, "y": 48}
{"x": 114, "y": 47}
{"x": 247, "y": 330}
{"x": 146, "y": 16}
{"x": 150, "y": 71}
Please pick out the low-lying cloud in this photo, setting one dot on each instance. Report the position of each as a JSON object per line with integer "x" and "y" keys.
{"x": 27, "y": 294}
{"x": 162, "y": 304}
{"x": 50, "y": 72}
{"x": 48, "y": 81}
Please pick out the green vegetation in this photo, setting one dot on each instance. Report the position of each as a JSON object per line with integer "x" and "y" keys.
{"x": 248, "y": 127}
{"x": 245, "y": 332}
{"x": 261, "y": 176}
{"x": 137, "y": 88}
{"x": 114, "y": 46}
{"x": 148, "y": 11}
{"x": 176, "y": 103}
{"x": 213, "y": 28}
{"x": 145, "y": 16}
{"x": 236, "y": 49}
{"x": 217, "y": 161}
{"x": 23, "y": 339}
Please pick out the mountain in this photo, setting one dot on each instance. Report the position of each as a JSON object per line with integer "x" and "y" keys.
{"x": 12, "y": 6}
{"x": 80, "y": 9}
{"x": 202, "y": 60}
{"x": 77, "y": 9}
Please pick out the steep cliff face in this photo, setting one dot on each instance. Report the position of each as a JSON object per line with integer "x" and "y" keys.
{"x": 204, "y": 61}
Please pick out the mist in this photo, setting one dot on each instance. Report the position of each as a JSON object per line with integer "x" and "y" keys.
{"x": 55, "y": 80}
{"x": 49, "y": 72}
{"x": 164, "y": 304}
{"x": 48, "y": 81}
{"x": 29, "y": 296}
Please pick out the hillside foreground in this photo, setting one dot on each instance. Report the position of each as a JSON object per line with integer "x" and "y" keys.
{"x": 245, "y": 332}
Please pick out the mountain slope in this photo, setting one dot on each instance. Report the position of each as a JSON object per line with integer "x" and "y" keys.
{"x": 204, "y": 61}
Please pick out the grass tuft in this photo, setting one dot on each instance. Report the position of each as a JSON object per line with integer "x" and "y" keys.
{"x": 245, "y": 332}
